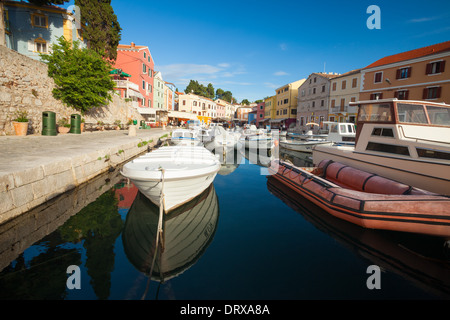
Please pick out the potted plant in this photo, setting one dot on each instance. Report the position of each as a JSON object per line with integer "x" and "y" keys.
{"x": 118, "y": 124}
{"x": 100, "y": 125}
{"x": 63, "y": 125}
{"x": 20, "y": 123}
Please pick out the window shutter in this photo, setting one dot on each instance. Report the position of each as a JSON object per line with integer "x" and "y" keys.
{"x": 442, "y": 66}
{"x": 406, "y": 94}
{"x": 399, "y": 71}
{"x": 30, "y": 45}
{"x": 372, "y": 96}
{"x": 428, "y": 70}
{"x": 409, "y": 72}
{"x": 438, "y": 92}
{"x": 425, "y": 93}
{"x": 396, "y": 92}
{"x": 380, "y": 96}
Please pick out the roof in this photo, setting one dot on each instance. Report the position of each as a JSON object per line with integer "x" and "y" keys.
{"x": 412, "y": 54}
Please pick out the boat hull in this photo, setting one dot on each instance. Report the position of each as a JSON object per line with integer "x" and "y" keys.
{"x": 429, "y": 175}
{"x": 302, "y": 146}
{"x": 172, "y": 176}
{"x": 421, "y": 212}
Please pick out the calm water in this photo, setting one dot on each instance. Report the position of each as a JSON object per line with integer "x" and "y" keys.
{"x": 246, "y": 237}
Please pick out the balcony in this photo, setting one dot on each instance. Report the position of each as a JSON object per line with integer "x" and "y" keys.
{"x": 132, "y": 89}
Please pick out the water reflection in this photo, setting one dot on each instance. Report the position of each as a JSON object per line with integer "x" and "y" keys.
{"x": 187, "y": 231}
{"x": 41, "y": 244}
{"x": 420, "y": 259}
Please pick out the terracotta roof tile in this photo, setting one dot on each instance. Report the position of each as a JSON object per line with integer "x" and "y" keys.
{"x": 412, "y": 54}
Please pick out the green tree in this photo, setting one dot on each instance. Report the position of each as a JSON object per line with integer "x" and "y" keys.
{"x": 219, "y": 93}
{"x": 210, "y": 91}
{"x": 100, "y": 26}
{"x": 245, "y": 102}
{"x": 227, "y": 96}
{"x": 81, "y": 75}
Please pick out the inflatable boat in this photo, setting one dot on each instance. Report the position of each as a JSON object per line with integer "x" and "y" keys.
{"x": 367, "y": 199}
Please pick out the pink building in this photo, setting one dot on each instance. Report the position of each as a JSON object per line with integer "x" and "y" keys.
{"x": 260, "y": 110}
{"x": 137, "y": 61}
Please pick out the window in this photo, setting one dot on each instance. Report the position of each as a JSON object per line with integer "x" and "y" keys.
{"x": 322, "y": 103}
{"x": 143, "y": 84}
{"x": 284, "y": 111}
{"x": 145, "y": 55}
{"x": 313, "y": 104}
{"x": 40, "y": 45}
{"x": 375, "y": 112}
{"x": 354, "y": 82}
{"x": 293, "y": 111}
{"x": 378, "y": 77}
{"x": 404, "y": 73}
{"x": 435, "y": 67}
{"x": 344, "y": 84}
{"x": 286, "y": 101}
{"x": 314, "y": 90}
{"x": 144, "y": 68}
{"x": 38, "y": 20}
{"x": 427, "y": 153}
{"x": 184, "y": 102}
{"x": 334, "y": 86}
{"x": 383, "y": 132}
{"x": 342, "y": 102}
{"x": 412, "y": 113}
{"x": 401, "y": 94}
{"x": 323, "y": 88}
{"x": 376, "y": 96}
{"x": 388, "y": 148}
{"x": 439, "y": 115}
{"x": 333, "y": 102}
{"x": 432, "y": 93}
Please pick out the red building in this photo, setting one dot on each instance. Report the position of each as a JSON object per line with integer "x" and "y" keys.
{"x": 260, "y": 110}
{"x": 136, "y": 61}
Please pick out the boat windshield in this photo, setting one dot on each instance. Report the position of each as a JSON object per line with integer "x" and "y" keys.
{"x": 416, "y": 113}
{"x": 375, "y": 112}
{"x": 439, "y": 115}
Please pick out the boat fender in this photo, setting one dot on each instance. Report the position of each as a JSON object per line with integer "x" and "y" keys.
{"x": 325, "y": 166}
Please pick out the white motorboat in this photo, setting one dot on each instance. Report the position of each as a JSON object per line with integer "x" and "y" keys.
{"x": 174, "y": 174}
{"x": 185, "y": 137}
{"x": 404, "y": 140}
{"x": 225, "y": 139}
{"x": 341, "y": 133}
{"x": 302, "y": 145}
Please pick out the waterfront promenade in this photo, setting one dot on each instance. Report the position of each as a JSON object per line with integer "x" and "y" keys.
{"x": 36, "y": 168}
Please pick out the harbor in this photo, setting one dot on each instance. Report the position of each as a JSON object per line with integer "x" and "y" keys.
{"x": 246, "y": 236}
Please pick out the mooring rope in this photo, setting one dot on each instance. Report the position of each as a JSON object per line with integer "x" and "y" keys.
{"x": 158, "y": 232}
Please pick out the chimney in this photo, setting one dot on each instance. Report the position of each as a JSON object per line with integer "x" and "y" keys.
{"x": 132, "y": 44}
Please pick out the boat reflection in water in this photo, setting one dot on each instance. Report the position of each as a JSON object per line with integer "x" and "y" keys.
{"x": 186, "y": 233}
{"x": 419, "y": 259}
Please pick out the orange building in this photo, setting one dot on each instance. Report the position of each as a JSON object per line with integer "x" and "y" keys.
{"x": 418, "y": 74}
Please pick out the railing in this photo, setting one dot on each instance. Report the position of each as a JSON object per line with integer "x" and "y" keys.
{"x": 126, "y": 84}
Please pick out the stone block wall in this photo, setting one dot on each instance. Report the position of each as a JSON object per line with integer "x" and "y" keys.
{"x": 25, "y": 85}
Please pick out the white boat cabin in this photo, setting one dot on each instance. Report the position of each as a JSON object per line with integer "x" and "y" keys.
{"x": 404, "y": 128}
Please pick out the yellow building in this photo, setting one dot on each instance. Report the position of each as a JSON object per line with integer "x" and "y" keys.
{"x": 286, "y": 98}
{"x": 270, "y": 110}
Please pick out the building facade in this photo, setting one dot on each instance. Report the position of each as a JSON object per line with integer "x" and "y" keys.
{"x": 419, "y": 74}
{"x": 260, "y": 114}
{"x": 203, "y": 108}
{"x": 138, "y": 62}
{"x": 313, "y": 100}
{"x": 343, "y": 90}
{"x": 31, "y": 30}
{"x": 286, "y": 105}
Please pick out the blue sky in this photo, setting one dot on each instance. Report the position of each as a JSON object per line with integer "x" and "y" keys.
{"x": 252, "y": 47}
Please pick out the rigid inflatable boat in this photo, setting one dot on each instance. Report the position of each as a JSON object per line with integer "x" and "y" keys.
{"x": 367, "y": 199}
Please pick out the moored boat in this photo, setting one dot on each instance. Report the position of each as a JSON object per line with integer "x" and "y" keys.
{"x": 171, "y": 176}
{"x": 405, "y": 140}
{"x": 185, "y": 137}
{"x": 367, "y": 199}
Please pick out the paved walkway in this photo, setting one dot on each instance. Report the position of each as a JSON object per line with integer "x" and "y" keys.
{"x": 33, "y": 150}
{"x": 36, "y": 168}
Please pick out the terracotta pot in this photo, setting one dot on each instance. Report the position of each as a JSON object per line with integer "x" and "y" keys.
{"x": 21, "y": 128}
{"x": 63, "y": 130}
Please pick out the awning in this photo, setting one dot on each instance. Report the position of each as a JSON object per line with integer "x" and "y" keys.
{"x": 277, "y": 120}
{"x": 182, "y": 115}
{"x": 146, "y": 110}
{"x": 120, "y": 73}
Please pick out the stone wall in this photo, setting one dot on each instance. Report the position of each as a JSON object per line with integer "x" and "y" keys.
{"x": 24, "y": 85}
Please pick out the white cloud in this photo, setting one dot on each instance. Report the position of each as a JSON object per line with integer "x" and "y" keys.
{"x": 283, "y": 46}
{"x": 224, "y": 65}
{"x": 182, "y": 70}
{"x": 271, "y": 85}
{"x": 280, "y": 73}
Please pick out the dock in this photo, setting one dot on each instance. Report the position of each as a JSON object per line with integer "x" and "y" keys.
{"x": 35, "y": 168}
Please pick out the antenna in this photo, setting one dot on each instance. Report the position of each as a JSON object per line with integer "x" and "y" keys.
{"x": 324, "y": 64}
